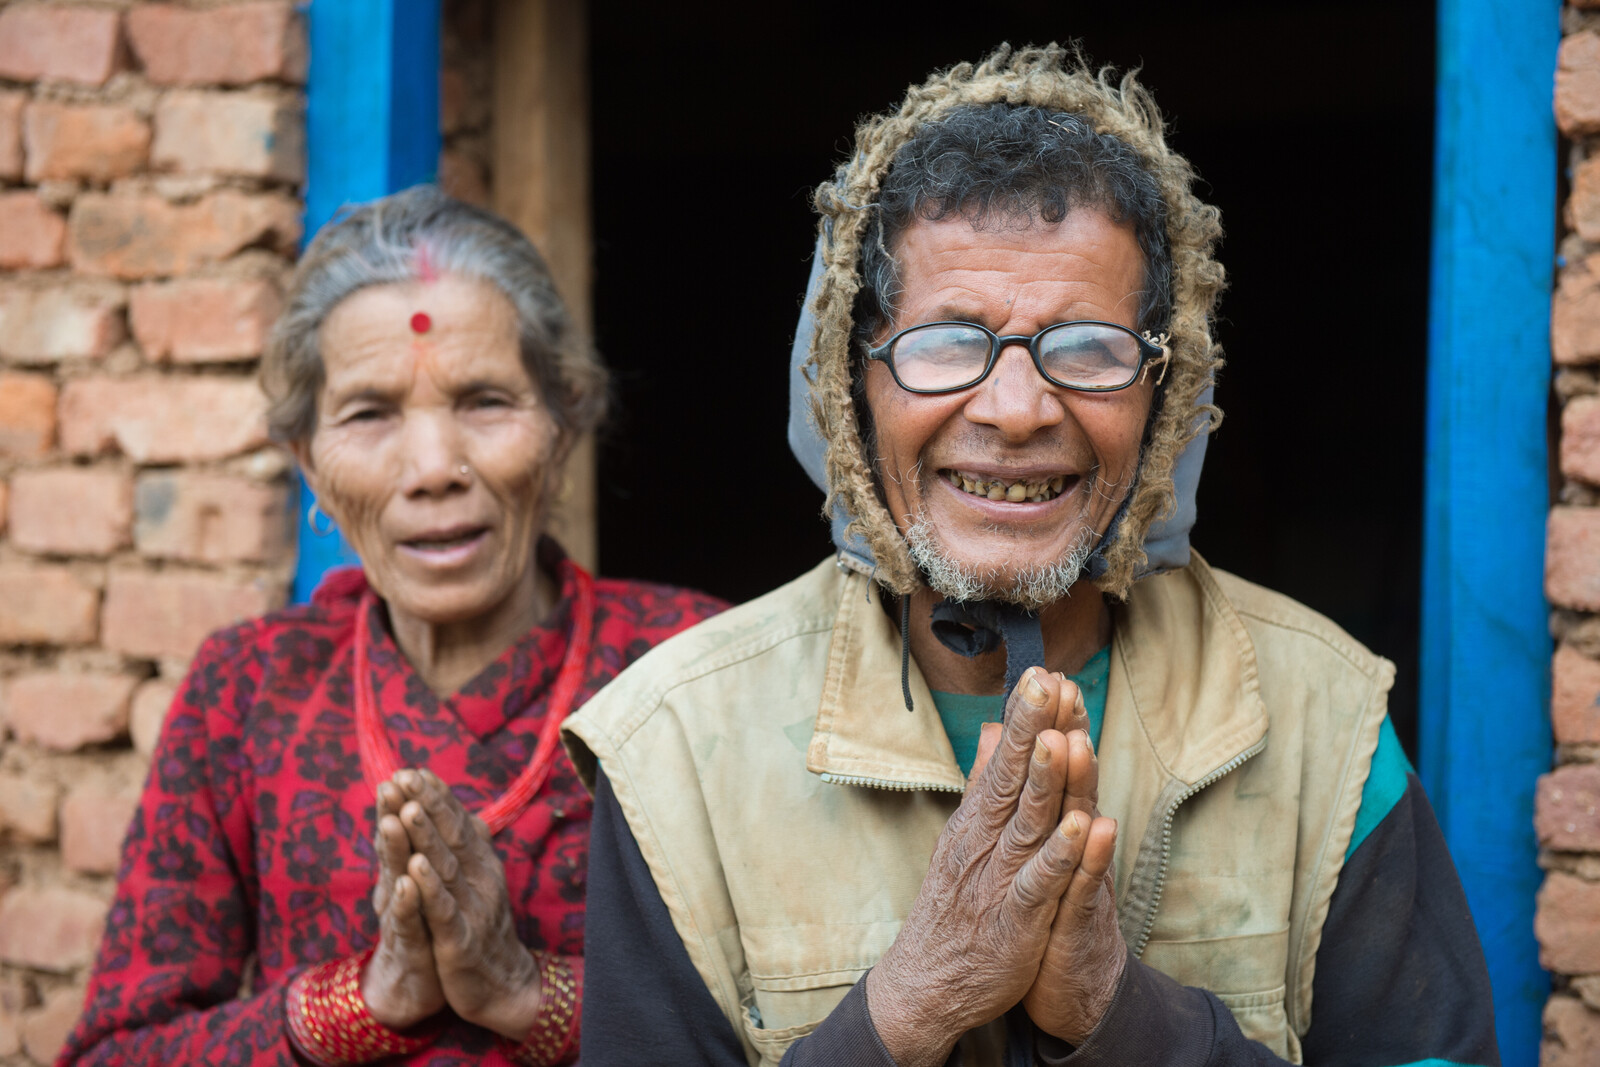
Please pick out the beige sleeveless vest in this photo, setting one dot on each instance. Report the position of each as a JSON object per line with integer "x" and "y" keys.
{"x": 788, "y": 805}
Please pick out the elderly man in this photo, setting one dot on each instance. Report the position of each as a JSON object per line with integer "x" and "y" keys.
{"x": 1194, "y": 839}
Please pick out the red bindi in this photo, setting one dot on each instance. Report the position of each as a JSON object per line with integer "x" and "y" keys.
{"x": 420, "y": 323}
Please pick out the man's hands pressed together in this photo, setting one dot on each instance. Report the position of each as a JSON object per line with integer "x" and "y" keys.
{"x": 1017, "y": 905}
{"x": 446, "y": 934}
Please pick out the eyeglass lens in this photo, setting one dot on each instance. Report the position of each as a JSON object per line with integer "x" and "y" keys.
{"x": 1082, "y": 355}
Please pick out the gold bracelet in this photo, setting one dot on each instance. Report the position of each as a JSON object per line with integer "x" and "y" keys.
{"x": 330, "y": 1022}
{"x": 554, "y": 1037}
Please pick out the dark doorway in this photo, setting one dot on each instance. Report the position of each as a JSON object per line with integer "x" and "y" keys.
{"x": 1311, "y": 127}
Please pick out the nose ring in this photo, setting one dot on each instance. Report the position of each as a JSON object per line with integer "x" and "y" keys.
{"x": 466, "y": 471}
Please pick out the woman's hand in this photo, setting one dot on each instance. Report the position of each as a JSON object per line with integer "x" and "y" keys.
{"x": 401, "y": 985}
{"x": 971, "y": 947}
{"x": 486, "y": 974}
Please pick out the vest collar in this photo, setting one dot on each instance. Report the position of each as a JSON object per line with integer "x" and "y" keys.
{"x": 1181, "y": 658}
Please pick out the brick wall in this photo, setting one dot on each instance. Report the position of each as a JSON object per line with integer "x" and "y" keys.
{"x": 150, "y": 157}
{"x": 151, "y": 160}
{"x": 1567, "y": 815}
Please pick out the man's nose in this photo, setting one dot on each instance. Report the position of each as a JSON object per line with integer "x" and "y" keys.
{"x": 1015, "y": 399}
{"x": 433, "y": 455}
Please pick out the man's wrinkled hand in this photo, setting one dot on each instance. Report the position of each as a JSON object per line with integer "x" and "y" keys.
{"x": 1083, "y": 962}
{"x": 973, "y": 942}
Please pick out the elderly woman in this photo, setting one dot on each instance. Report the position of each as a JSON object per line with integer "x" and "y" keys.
{"x": 365, "y": 795}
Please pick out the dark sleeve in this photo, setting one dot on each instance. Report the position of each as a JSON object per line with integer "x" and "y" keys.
{"x": 643, "y": 1001}
{"x": 1400, "y": 976}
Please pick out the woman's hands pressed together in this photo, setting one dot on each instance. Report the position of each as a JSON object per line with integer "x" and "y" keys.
{"x": 446, "y": 934}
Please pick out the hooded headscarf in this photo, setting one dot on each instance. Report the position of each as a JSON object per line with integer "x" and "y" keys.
{"x": 1151, "y": 532}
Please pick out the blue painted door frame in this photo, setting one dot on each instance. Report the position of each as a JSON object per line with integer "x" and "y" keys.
{"x": 372, "y": 118}
{"x": 1485, "y": 725}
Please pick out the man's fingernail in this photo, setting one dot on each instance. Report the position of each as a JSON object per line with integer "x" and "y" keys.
{"x": 1032, "y": 691}
{"x": 1070, "y": 828}
{"x": 1041, "y": 751}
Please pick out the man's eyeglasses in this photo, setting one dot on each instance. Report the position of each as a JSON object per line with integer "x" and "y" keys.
{"x": 1093, "y": 357}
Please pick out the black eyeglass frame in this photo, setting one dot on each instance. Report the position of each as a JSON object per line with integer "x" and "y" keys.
{"x": 1151, "y": 352}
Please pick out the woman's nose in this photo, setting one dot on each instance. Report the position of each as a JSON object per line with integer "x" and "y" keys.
{"x": 1016, "y": 399}
{"x": 432, "y": 455}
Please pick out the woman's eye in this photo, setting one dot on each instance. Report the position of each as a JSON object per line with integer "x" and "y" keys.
{"x": 487, "y": 400}
{"x": 363, "y": 415}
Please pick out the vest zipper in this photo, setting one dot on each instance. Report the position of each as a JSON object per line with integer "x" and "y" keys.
{"x": 1166, "y": 838}
{"x": 880, "y": 783}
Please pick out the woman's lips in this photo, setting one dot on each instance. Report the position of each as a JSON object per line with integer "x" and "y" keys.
{"x": 446, "y": 548}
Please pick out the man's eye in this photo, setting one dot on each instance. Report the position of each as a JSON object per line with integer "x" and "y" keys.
{"x": 363, "y": 415}
{"x": 488, "y": 400}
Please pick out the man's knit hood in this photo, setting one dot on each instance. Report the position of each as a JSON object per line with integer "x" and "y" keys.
{"x": 1151, "y": 533}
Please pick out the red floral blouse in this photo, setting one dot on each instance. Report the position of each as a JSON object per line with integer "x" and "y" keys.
{"x": 254, "y": 834}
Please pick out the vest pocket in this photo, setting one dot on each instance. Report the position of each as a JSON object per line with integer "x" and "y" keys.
{"x": 773, "y": 1043}
{"x": 1262, "y": 1017}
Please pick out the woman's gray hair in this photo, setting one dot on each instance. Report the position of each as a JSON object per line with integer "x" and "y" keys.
{"x": 415, "y": 235}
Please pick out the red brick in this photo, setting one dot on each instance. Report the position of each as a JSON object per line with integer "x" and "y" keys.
{"x": 71, "y": 511}
{"x": 1568, "y": 924}
{"x": 67, "y": 711}
{"x": 27, "y": 415}
{"x": 94, "y": 820}
{"x": 1578, "y": 85}
{"x": 56, "y": 42}
{"x": 255, "y": 135}
{"x": 11, "y": 103}
{"x": 1580, "y": 439}
{"x": 150, "y": 703}
{"x": 1575, "y": 697}
{"x": 44, "y": 325}
{"x": 54, "y": 929}
{"x": 42, "y": 604}
{"x": 230, "y": 45}
{"x": 197, "y": 320}
{"x": 169, "y": 614}
{"x": 1584, "y": 200}
{"x": 32, "y": 236}
{"x": 1571, "y": 1034}
{"x": 1572, "y": 558}
{"x": 1575, "y": 319}
{"x": 163, "y": 419}
{"x": 92, "y": 142}
{"x": 28, "y": 806}
{"x": 131, "y": 236}
{"x": 1566, "y": 813}
{"x": 210, "y": 518}
{"x": 45, "y": 1028}
{"x": 13, "y": 999}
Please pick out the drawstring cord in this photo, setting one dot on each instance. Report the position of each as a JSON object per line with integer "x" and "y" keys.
{"x": 905, "y": 649}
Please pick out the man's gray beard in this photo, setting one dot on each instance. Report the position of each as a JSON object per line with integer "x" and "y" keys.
{"x": 1031, "y": 588}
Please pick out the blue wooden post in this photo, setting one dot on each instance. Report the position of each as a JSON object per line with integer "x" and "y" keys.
{"x": 372, "y": 117}
{"x": 1485, "y": 727}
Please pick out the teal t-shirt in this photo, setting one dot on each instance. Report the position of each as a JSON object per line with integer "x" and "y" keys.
{"x": 963, "y": 715}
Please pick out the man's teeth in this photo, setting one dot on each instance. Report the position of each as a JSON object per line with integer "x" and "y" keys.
{"x": 998, "y": 489}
